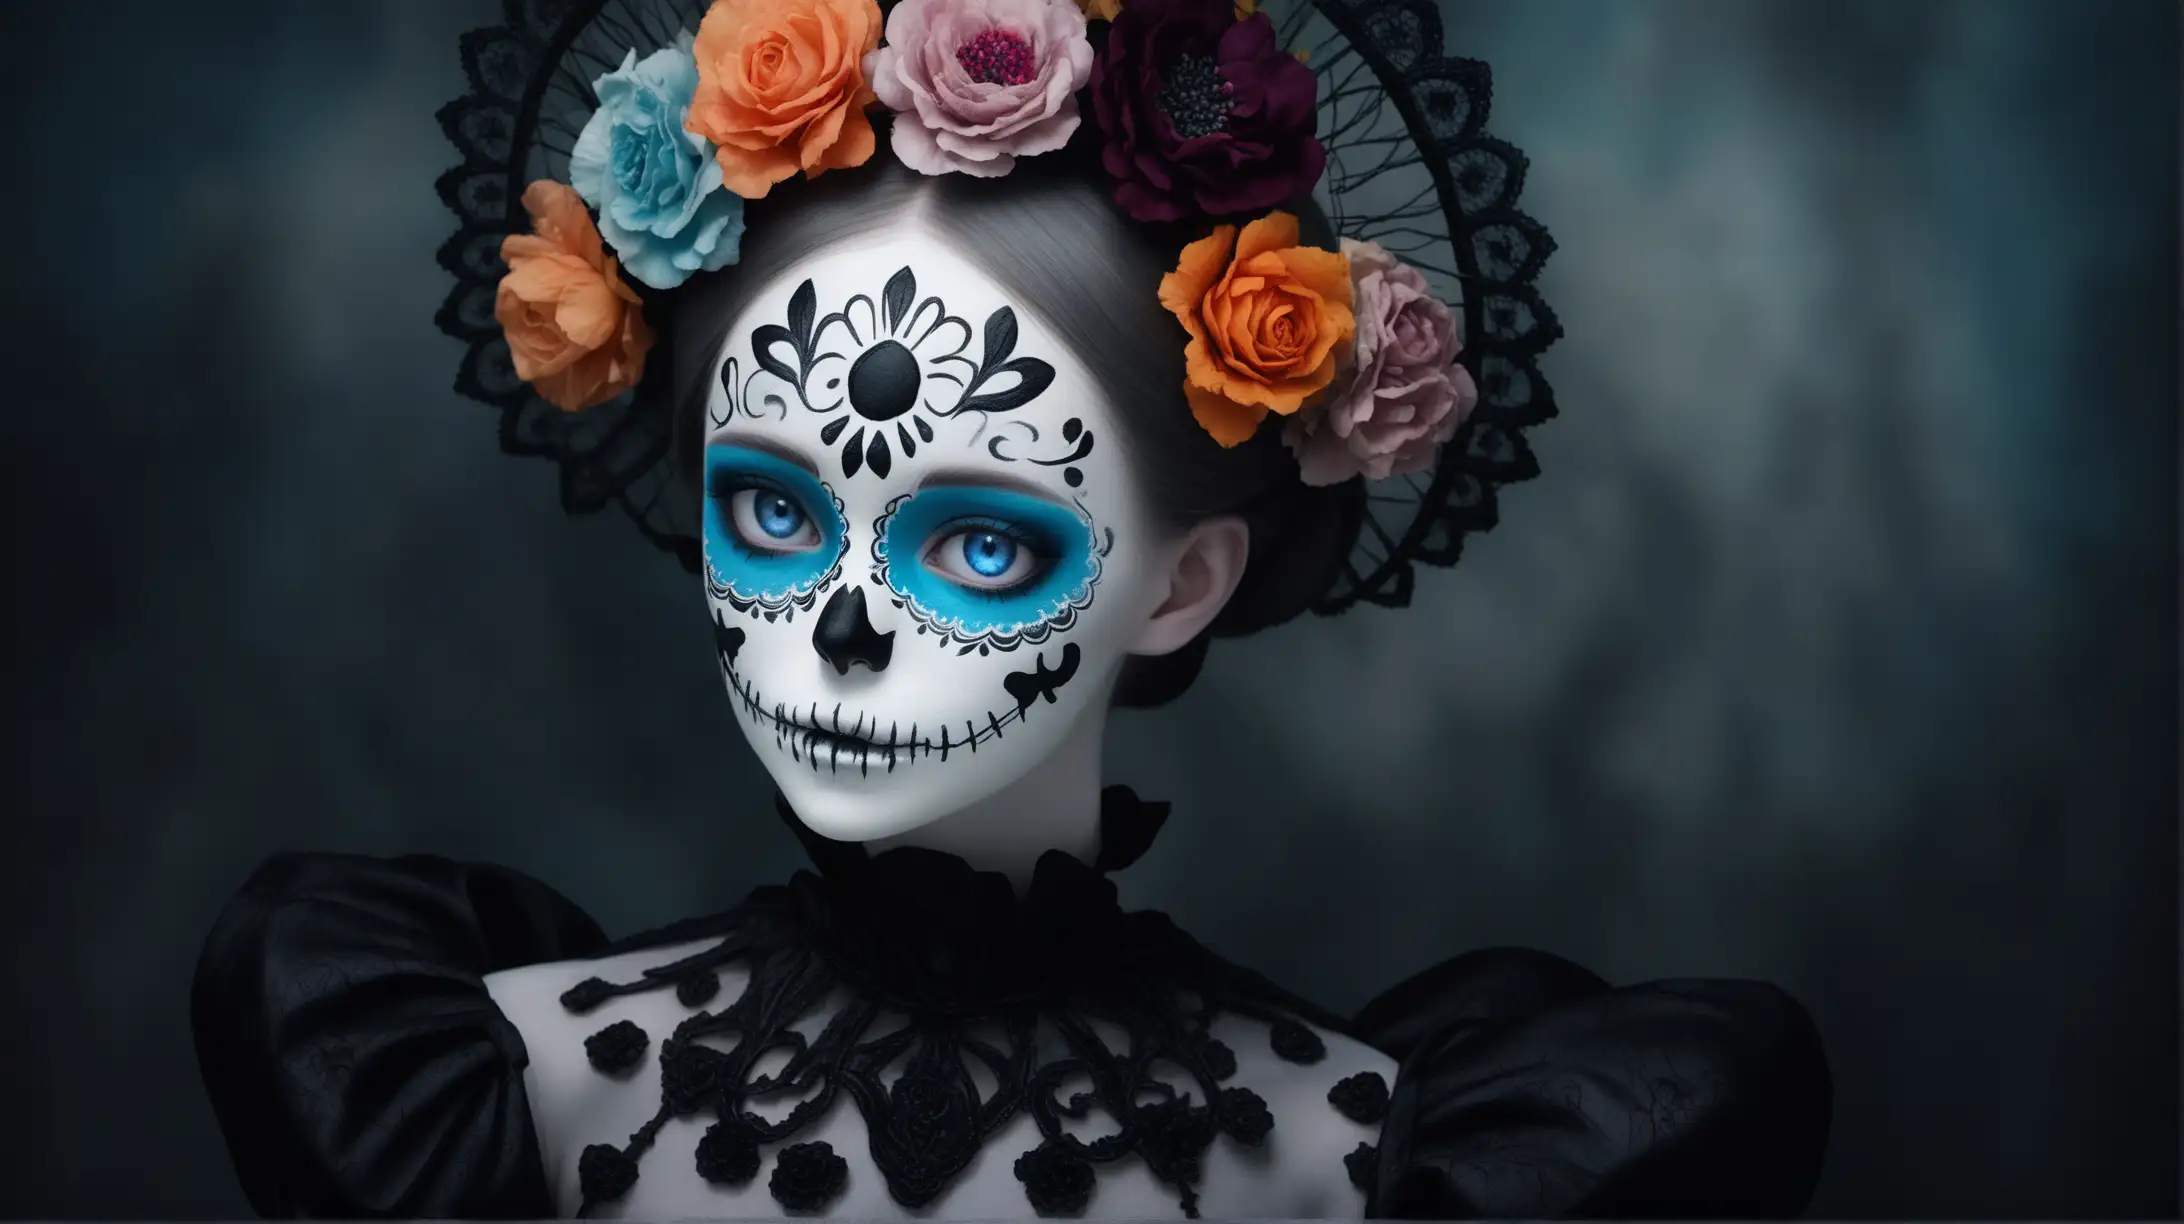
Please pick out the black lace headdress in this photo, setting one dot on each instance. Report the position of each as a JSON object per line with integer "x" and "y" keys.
{"x": 1410, "y": 166}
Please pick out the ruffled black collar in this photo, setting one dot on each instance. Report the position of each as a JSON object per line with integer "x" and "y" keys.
{"x": 926, "y": 932}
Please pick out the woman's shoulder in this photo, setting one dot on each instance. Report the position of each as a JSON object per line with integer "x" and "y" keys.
{"x": 356, "y": 1061}
{"x": 1531, "y": 1087}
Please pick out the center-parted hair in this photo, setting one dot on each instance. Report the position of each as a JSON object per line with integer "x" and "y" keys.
{"x": 1051, "y": 237}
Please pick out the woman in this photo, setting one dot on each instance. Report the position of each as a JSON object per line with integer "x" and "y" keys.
{"x": 992, "y": 425}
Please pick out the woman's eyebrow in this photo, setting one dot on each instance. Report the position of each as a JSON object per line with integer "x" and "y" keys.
{"x": 779, "y": 450}
{"x": 988, "y": 479}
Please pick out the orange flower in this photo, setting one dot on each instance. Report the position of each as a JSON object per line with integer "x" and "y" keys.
{"x": 576, "y": 331}
{"x": 781, "y": 88}
{"x": 1267, "y": 327}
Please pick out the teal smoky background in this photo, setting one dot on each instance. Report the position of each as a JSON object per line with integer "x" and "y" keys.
{"x": 1836, "y": 646}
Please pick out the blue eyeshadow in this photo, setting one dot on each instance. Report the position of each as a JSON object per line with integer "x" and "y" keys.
{"x": 1058, "y": 534}
{"x": 750, "y": 572}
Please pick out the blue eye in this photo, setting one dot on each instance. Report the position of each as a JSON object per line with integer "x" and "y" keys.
{"x": 776, "y": 515}
{"x": 980, "y": 559}
{"x": 766, "y": 520}
{"x": 987, "y": 558}
{"x": 988, "y": 553}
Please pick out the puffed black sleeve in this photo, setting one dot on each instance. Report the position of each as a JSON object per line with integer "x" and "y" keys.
{"x": 1528, "y": 1088}
{"x": 354, "y": 1059}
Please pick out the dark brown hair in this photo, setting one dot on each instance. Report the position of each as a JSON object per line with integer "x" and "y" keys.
{"x": 1051, "y": 236}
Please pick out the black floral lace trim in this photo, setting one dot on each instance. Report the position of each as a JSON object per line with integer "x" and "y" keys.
{"x": 1362, "y": 1098}
{"x": 931, "y": 1120}
{"x": 617, "y": 1048}
{"x": 808, "y": 1176}
{"x": 1360, "y": 1165}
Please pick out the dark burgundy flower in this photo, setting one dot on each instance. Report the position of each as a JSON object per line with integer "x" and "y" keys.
{"x": 1201, "y": 114}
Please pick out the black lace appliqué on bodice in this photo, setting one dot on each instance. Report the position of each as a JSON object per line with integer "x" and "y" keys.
{"x": 937, "y": 969}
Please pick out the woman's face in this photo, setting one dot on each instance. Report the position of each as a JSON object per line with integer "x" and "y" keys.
{"x": 925, "y": 554}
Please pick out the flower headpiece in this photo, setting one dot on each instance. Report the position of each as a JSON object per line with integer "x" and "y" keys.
{"x": 1201, "y": 115}
{"x": 1212, "y": 113}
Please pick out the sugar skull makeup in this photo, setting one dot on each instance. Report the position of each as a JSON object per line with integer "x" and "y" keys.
{"x": 924, "y": 552}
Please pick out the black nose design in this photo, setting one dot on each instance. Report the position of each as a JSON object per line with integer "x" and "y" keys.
{"x": 845, "y": 636}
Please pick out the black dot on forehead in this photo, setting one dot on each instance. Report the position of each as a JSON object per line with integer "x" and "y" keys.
{"x": 883, "y": 383}
{"x": 1073, "y": 477}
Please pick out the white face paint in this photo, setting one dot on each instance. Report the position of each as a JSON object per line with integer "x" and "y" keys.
{"x": 925, "y": 554}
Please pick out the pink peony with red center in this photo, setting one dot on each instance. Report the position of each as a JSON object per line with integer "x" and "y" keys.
{"x": 976, "y": 84}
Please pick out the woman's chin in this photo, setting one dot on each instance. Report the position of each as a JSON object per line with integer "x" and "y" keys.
{"x": 850, "y": 808}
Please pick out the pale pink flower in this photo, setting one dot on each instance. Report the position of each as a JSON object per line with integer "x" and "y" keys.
{"x": 1403, "y": 397}
{"x": 976, "y": 84}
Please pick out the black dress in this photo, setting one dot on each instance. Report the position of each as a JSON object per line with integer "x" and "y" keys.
{"x": 360, "y": 1069}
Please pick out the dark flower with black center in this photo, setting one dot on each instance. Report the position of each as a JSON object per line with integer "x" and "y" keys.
{"x": 605, "y": 1173}
{"x": 807, "y": 1176}
{"x": 727, "y": 1154}
{"x": 1057, "y": 1180}
{"x": 617, "y": 1048}
{"x": 1361, "y": 1098}
{"x": 1201, "y": 114}
{"x": 1360, "y": 1164}
{"x": 1244, "y": 1115}
{"x": 1295, "y": 1042}
{"x": 585, "y": 995}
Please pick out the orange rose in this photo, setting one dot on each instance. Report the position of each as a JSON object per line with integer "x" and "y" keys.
{"x": 1267, "y": 327}
{"x": 576, "y": 331}
{"x": 781, "y": 88}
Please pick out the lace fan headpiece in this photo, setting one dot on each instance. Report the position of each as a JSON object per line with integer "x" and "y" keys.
{"x": 608, "y": 145}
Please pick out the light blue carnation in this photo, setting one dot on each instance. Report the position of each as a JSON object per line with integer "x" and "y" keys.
{"x": 655, "y": 186}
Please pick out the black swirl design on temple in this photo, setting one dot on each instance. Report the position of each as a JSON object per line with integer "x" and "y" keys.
{"x": 1015, "y": 439}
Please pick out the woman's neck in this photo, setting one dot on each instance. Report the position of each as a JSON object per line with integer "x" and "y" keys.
{"x": 1054, "y": 807}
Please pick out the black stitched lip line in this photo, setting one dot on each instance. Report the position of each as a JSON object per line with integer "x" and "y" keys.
{"x": 810, "y": 733}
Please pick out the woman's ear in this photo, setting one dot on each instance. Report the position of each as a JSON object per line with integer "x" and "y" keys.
{"x": 1203, "y": 573}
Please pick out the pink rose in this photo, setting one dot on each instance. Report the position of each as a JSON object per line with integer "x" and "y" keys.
{"x": 976, "y": 84}
{"x": 1404, "y": 396}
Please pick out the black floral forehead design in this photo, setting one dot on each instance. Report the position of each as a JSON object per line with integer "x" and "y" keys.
{"x": 1410, "y": 166}
{"x": 881, "y": 365}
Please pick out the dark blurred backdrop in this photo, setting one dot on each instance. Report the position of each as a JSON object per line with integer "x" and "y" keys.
{"x": 1837, "y": 645}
